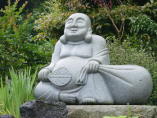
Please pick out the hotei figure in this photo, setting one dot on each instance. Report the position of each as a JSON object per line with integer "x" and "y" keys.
{"x": 80, "y": 73}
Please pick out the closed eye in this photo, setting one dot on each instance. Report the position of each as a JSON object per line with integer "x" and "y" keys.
{"x": 69, "y": 21}
{"x": 80, "y": 20}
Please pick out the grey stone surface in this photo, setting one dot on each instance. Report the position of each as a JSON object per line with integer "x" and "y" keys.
{"x": 98, "y": 111}
{"x": 43, "y": 109}
{"x": 6, "y": 116}
{"x": 80, "y": 73}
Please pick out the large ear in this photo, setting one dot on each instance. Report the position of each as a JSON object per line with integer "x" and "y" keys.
{"x": 90, "y": 30}
{"x": 88, "y": 36}
{"x": 63, "y": 39}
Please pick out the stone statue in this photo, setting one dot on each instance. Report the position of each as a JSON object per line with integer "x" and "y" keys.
{"x": 79, "y": 72}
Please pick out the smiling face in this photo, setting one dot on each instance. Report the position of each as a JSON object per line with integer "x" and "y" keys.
{"x": 77, "y": 26}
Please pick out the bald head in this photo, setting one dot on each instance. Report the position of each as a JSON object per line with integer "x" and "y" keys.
{"x": 80, "y": 16}
{"x": 78, "y": 28}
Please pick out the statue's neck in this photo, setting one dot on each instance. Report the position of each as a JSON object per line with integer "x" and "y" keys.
{"x": 76, "y": 42}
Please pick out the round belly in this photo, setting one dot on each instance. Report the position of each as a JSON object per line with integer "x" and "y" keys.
{"x": 66, "y": 72}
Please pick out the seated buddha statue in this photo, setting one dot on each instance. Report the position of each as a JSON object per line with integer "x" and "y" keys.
{"x": 80, "y": 71}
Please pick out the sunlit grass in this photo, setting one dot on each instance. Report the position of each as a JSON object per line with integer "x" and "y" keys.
{"x": 120, "y": 117}
{"x": 16, "y": 91}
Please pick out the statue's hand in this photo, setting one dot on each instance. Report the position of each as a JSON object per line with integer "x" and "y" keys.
{"x": 92, "y": 66}
{"x": 43, "y": 73}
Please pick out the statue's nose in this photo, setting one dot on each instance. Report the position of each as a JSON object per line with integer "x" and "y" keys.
{"x": 74, "y": 24}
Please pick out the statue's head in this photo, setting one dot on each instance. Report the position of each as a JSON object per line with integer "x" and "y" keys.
{"x": 77, "y": 28}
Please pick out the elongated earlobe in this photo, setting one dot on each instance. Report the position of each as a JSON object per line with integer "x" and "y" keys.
{"x": 88, "y": 36}
{"x": 63, "y": 39}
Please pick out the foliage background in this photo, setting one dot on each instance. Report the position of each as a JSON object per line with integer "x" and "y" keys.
{"x": 29, "y": 30}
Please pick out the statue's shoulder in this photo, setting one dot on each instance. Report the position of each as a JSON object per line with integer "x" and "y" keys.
{"x": 58, "y": 43}
{"x": 98, "y": 39}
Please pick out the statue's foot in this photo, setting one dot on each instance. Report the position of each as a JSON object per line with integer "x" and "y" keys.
{"x": 67, "y": 98}
{"x": 87, "y": 101}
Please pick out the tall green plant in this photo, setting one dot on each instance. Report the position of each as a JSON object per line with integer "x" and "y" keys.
{"x": 16, "y": 91}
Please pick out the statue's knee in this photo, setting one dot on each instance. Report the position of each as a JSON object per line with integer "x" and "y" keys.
{"x": 41, "y": 90}
{"x": 37, "y": 91}
{"x": 45, "y": 90}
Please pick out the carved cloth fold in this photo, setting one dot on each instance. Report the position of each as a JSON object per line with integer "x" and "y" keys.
{"x": 124, "y": 73}
{"x": 100, "y": 56}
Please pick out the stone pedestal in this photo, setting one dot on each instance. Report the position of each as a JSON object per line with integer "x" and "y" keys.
{"x": 42, "y": 109}
{"x": 99, "y": 111}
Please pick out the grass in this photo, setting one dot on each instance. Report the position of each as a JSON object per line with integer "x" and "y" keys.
{"x": 120, "y": 117}
{"x": 16, "y": 91}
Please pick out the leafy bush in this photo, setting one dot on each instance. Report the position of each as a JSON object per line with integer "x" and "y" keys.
{"x": 18, "y": 47}
{"x": 16, "y": 91}
{"x": 123, "y": 53}
{"x": 106, "y": 19}
{"x": 31, "y": 3}
{"x": 150, "y": 9}
{"x": 50, "y": 24}
{"x": 145, "y": 30}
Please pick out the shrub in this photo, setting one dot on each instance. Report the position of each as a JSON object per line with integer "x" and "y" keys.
{"x": 150, "y": 9}
{"x": 145, "y": 31}
{"x": 122, "y": 53}
{"x": 105, "y": 21}
{"x": 18, "y": 47}
{"x": 50, "y": 24}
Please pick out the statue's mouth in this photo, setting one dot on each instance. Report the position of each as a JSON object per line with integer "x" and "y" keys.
{"x": 73, "y": 29}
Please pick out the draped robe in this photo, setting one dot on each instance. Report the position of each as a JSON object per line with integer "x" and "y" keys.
{"x": 119, "y": 84}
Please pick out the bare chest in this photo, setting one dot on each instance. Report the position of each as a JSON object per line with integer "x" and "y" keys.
{"x": 79, "y": 50}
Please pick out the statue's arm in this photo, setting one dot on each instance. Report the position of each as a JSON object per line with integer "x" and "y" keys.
{"x": 100, "y": 50}
{"x": 55, "y": 55}
{"x": 42, "y": 75}
{"x": 100, "y": 56}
